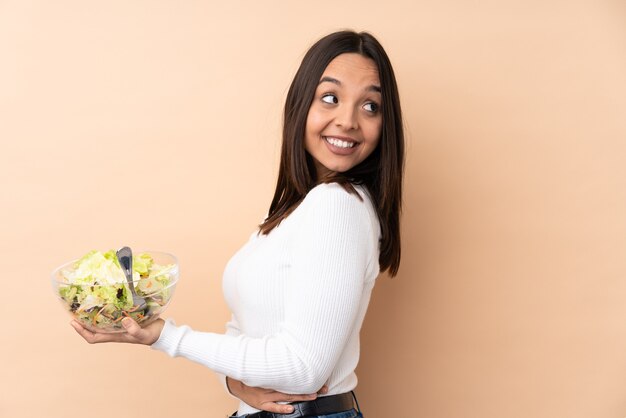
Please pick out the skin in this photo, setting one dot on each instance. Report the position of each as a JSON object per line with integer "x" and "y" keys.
{"x": 266, "y": 399}
{"x": 134, "y": 333}
{"x": 260, "y": 398}
{"x": 346, "y": 106}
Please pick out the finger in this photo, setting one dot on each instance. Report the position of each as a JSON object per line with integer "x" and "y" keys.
{"x": 288, "y": 397}
{"x": 133, "y": 329}
{"x": 93, "y": 337}
{"x": 82, "y": 331}
{"x": 323, "y": 390}
{"x": 276, "y": 408}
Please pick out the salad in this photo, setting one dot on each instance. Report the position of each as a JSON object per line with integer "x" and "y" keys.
{"x": 97, "y": 293}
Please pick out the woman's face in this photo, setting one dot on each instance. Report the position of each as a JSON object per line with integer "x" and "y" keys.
{"x": 344, "y": 122}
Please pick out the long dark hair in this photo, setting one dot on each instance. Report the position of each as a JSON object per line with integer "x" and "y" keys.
{"x": 381, "y": 172}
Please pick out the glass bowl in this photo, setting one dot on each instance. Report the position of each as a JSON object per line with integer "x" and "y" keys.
{"x": 100, "y": 301}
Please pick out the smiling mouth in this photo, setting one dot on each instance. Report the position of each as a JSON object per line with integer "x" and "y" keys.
{"x": 340, "y": 143}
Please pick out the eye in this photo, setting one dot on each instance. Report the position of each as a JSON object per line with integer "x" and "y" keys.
{"x": 330, "y": 99}
{"x": 371, "y": 107}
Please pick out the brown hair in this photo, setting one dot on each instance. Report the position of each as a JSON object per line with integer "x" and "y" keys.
{"x": 381, "y": 172}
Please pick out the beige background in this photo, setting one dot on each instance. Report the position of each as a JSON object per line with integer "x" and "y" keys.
{"x": 156, "y": 124}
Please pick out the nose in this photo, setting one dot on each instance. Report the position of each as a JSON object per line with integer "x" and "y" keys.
{"x": 346, "y": 117}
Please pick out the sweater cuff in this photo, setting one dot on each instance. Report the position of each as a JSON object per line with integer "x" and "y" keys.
{"x": 170, "y": 337}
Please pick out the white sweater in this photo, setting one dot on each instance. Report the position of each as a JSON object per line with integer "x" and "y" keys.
{"x": 298, "y": 297}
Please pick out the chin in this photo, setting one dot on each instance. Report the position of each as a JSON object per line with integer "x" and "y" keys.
{"x": 337, "y": 169}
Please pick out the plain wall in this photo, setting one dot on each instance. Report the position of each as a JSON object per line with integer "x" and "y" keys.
{"x": 156, "y": 124}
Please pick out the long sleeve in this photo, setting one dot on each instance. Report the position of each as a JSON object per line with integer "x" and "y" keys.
{"x": 333, "y": 260}
{"x": 232, "y": 329}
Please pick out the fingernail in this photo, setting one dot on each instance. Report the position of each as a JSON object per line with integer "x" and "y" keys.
{"x": 288, "y": 409}
{"x": 127, "y": 322}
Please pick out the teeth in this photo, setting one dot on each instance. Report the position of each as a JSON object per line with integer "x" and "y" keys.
{"x": 339, "y": 143}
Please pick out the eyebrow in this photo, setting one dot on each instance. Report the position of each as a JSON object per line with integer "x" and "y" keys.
{"x": 337, "y": 82}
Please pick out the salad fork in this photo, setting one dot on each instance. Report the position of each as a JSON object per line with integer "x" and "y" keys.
{"x": 125, "y": 257}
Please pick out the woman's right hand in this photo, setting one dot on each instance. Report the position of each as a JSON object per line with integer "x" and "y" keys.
{"x": 267, "y": 399}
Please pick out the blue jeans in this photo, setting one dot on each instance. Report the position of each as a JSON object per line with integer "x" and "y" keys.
{"x": 347, "y": 414}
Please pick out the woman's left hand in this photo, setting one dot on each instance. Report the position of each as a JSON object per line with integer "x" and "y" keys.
{"x": 267, "y": 399}
{"x": 134, "y": 333}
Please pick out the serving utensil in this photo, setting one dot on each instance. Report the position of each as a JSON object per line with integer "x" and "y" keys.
{"x": 125, "y": 257}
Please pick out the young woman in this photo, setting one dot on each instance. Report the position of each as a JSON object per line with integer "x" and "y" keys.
{"x": 299, "y": 288}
